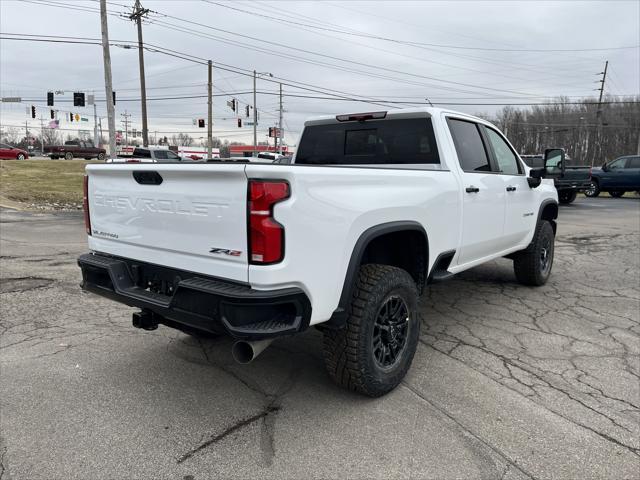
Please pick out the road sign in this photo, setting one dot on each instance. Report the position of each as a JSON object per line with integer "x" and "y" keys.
{"x": 76, "y": 117}
{"x": 250, "y": 124}
{"x": 274, "y": 132}
{"x": 91, "y": 99}
{"x": 11, "y": 99}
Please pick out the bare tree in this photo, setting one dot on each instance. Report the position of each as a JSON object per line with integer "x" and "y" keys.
{"x": 51, "y": 136}
{"x": 11, "y": 135}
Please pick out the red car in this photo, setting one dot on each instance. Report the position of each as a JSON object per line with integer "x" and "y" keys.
{"x": 9, "y": 152}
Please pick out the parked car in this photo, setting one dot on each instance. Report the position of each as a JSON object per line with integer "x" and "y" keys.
{"x": 616, "y": 177}
{"x": 568, "y": 177}
{"x": 150, "y": 155}
{"x": 75, "y": 149}
{"x": 259, "y": 251}
{"x": 7, "y": 152}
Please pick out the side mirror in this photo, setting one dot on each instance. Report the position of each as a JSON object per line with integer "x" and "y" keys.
{"x": 535, "y": 177}
{"x": 554, "y": 161}
{"x": 605, "y": 167}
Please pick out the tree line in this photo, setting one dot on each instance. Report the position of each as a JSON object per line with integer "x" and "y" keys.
{"x": 589, "y": 136}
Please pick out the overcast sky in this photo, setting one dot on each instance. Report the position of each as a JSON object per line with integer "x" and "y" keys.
{"x": 402, "y": 51}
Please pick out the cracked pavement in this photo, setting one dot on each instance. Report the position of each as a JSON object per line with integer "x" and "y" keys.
{"x": 509, "y": 382}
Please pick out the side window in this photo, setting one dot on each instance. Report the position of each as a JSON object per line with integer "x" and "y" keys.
{"x": 617, "y": 163}
{"x": 506, "y": 159}
{"x": 634, "y": 162}
{"x": 471, "y": 152}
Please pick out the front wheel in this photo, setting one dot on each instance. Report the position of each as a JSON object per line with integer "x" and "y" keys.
{"x": 593, "y": 190}
{"x": 373, "y": 351}
{"x": 68, "y": 156}
{"x": 567, "y": 196}
{"x": 616, "y": 193}
{"x": 20, "y": 156}
{"x": 533, "y": 265}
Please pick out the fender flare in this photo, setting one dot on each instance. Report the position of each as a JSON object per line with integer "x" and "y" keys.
{"x": 543, "y": 206}
{"x": 339, "y": 316}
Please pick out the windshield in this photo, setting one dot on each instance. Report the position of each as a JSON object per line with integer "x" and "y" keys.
{"x": 406, "y": 141}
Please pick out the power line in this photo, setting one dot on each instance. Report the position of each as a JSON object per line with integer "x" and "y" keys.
{"x": 407, "y": 42}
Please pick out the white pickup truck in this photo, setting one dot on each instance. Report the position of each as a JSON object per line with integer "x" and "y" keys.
{"x": 374, "y": 207}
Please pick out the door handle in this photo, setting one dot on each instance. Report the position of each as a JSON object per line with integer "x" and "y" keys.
{"x": 511, "y": 188}
{"x": 472, "y": 189}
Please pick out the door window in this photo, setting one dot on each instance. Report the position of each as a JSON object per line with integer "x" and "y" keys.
{"x": 505, "y": 158}
{"x": 469, "y": 146}
{"x": 634, "y": 162}
{"x": 617, "y": 163}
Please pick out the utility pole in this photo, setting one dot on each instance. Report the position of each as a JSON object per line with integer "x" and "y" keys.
{"x": 138, "y": 13}
{"x": 210, "y": 111}
{"x": 255, "y": 118}
{"x": 108, "y": 86}
{"x": 26, "y": 131}
{"x": 598, "y": 147}
{"x": 96, "y": 140}
{"x": 126, "y": 127}
{"x": 280, "y": 135}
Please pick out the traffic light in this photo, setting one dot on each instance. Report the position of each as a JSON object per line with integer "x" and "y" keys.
{"x": 271, "y": 135}
{"x": 49, "y": 99}
{"x": 71, "y": 117}
{"x": 239, "y": 123}
{"x": 33, "y": 111}
{"x": 233, "y": 104}
{"x": 53, "y": 114}
{"x": 248, "y": 114}
{"x": 114, "y": 97}
{"x": 78, "y": 99}
{"x": 201, "y": 122}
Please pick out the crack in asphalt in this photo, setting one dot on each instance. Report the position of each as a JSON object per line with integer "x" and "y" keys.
{"x": 23, "y": 284}
{"x": 268, "y": 415}
{"x": 467, "y": 431}
{"x": 228, "y": 431}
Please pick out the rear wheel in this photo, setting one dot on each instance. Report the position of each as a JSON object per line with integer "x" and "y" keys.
{"x": 101, "y": 156}
{"x": 533, "y": 265}
{"x": 616, "y": 193}
{"x": 593, "y": 190}
{"x": 567, "y": 196}
{"x": 373, "y": 352}
{"x": 68, "y": 156}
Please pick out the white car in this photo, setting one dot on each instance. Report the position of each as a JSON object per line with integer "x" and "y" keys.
{"x": 374, "y": 207}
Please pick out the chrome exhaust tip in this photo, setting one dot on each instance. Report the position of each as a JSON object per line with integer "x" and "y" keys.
{"x": 245, "y": 352}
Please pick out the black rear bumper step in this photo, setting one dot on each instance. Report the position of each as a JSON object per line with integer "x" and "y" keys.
{"x": 180, "y": 298}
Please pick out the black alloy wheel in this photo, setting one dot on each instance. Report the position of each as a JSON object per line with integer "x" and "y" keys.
{"x": 390, "y": 332}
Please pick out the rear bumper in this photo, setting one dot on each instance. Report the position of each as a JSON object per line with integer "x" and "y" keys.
{"x": 178, "y": 298}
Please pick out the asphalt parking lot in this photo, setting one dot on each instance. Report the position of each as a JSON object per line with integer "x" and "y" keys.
{"x": 509, "y": 382}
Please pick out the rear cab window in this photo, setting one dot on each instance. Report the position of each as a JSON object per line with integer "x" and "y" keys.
{"x": 406, "y": 141}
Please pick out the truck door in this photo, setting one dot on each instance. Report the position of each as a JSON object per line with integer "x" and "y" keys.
{"x": 483, "y": 194}
{"x": 632, "y": 173}
{"x": 520, "y": 198}
{"x": 613, "y": 176}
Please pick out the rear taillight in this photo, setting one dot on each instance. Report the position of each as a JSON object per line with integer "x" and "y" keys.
{"x": 85, "y": 204}
{"x": 266, "y": 236}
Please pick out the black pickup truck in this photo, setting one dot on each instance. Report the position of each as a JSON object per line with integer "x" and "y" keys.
{"x": 568, "y": 177}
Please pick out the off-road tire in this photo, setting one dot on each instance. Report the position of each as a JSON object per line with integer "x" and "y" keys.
{"x": 594, "y": 191}
{"x": 567, "y": 196}
{"x": 68, "y": 156}
{"x": 616, "y": 193}
{"x": 527, "y": 264}
{"x": 349, "y": 351}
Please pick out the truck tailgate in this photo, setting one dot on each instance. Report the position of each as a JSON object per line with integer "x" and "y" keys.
{"x": 191, "y": 217}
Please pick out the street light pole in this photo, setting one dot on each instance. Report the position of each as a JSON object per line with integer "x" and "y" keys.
{"x": 255, "y": 117}
{"x": 210, "y": 112}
